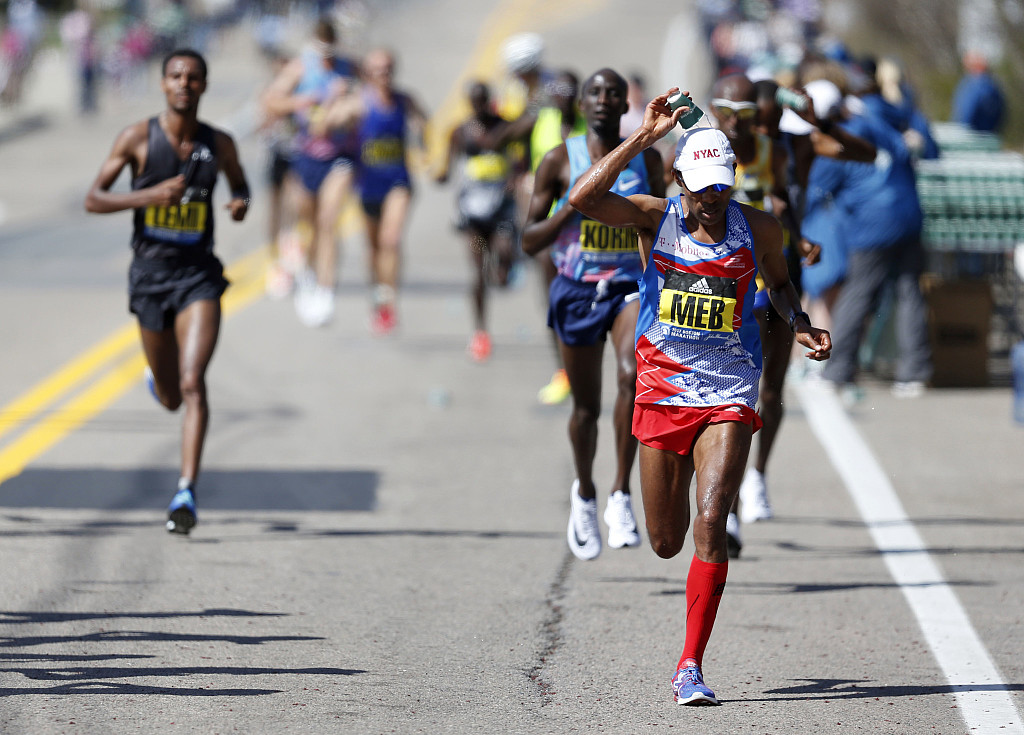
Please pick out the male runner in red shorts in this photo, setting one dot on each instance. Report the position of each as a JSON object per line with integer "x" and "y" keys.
{"x": 697, "y": 370}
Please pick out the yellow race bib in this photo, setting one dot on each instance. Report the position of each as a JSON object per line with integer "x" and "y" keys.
{"x": 599, "y": 238}
{"x": 189, "y": 217}
{"x": 487, "y": 167}
{"x": 184, "y": 224}
{"x": 382, "y": 152}
{"x": 692, "y": 301}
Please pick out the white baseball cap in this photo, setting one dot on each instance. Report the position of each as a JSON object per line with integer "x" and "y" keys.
{"x": 793, "y": 124}
{"x": 826, "y": 98}
{"x": 522, "y": 52}
{"x": 705, "y": 158}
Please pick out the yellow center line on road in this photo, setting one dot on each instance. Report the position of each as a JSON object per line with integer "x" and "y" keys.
{"x": 44, "y": 435}
{"x": 118, "y": 360}
{"x": 59, "y": 384}
{"x": 246, "y": 276}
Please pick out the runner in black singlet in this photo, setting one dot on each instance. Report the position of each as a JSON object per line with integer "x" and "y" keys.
{"x": 175, "y": 280}
{"x": 486, "y": 208}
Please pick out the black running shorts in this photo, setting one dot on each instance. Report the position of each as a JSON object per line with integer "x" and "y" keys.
{"x": 159, "y": 289}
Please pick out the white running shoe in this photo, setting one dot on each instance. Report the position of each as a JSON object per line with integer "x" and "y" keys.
{"x": 303, "y": 301}
{"x": 315, "y": 307}
{"x": 583, "y": 533}
{"x": 302, "y": 294}
{"x": 754, "y": 505}
{"x": 305, "y": 281}
{"x": 850, "y": 395}
{"x": 279, "y": 282}
{"x": 732, "y": 536}
{"x": 908, "y": 388}
{"x": 618, "y": 514}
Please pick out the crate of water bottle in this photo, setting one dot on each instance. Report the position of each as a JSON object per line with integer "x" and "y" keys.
{"x": 952, "y": 137}
{"x": 1007, "y": 201}
{"x": 988, "y": 235}
{"x": 1004, "y": 168}
{"x": 974, "y": 185}
{"x": 933, "y": 195}
{"x": 940, "y": 234}
{"x": 1010, "y": 232}
{"x": 931, "y": 234}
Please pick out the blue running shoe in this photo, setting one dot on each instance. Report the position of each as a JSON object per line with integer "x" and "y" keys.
{"x": 689, "y": 688}
{"x": 181, "y": 515}
{"x": 151, "y": 384}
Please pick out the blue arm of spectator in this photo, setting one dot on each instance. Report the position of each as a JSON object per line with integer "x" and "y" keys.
{"x": 920, "y": 123}
{"x": 963, "y": 102}
{"x": 823, "y": 182}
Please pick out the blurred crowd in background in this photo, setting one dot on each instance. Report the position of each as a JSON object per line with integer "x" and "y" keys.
{"x": 940, "y": 108}
{"x": 111, "y": 42}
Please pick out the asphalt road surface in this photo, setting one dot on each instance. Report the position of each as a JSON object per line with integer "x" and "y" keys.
{"x": 381, "y": 545}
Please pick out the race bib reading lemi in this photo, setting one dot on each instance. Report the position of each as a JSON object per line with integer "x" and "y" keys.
{"x": 691, "y": 301}
{"x": 182, "y": 223}
{"x": 598, "y": 238}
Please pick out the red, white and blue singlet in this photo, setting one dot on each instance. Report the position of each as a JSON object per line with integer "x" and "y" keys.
{"x": 319, "y": 83}
{"x": 589, "y": 251}
{"x": 694, "y": 299}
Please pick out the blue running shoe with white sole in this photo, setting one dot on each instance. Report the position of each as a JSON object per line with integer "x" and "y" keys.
{"x": 151, "y": 384}
{"x": 689, "y": 688}
{"x": 181, "y": 514}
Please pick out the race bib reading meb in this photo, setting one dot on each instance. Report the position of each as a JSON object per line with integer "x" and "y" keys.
{"x": 690, "y": 301}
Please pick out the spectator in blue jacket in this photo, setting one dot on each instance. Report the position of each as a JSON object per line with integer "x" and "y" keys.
{"x": 978, "y": 102}
{"x": 878, "y": 221}
{"x": 889, "y": 97}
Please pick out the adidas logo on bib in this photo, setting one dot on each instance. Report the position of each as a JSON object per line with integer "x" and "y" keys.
{"x": 700, "y": 286}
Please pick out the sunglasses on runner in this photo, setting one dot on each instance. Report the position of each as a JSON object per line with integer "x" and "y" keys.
{"x": 727, "y": 108}
{"x": 713, "y": 187}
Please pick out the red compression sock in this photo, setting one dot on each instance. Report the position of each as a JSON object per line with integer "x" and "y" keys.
{"x": 705, "y": 583}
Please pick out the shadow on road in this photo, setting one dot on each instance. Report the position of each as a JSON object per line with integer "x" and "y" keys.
{"x": 818, "y": 689}
{"x": 148, "y": 636}
{"x": 22, "y": 126}
{"x": 8, "y": 617}
{"x": 783, "y": 588}
{"x": 75, "y": 678}
{"x": 145, "y": 489}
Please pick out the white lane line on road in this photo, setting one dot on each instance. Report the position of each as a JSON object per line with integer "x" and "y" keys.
{"x": 982, "y": 696}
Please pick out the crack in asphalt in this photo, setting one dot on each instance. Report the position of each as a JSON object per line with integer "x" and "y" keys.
{"x": 550, "y": 631}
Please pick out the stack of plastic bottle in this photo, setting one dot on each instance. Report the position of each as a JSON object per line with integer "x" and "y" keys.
{"x": 973, "y": 194}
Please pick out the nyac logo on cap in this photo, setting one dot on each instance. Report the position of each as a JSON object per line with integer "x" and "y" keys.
{"x": 699, "y": 155}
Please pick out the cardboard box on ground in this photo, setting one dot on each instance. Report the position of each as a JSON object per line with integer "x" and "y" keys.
{"x": 959, "y": 321}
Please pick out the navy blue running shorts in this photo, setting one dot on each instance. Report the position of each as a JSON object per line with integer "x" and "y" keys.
{"x": 277, "y": 167}
{"x": 158, "y": 289}
{"x": 580, "y": 315}
{"x": 373, "y": 206}
{"x": 313, "y": 171}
